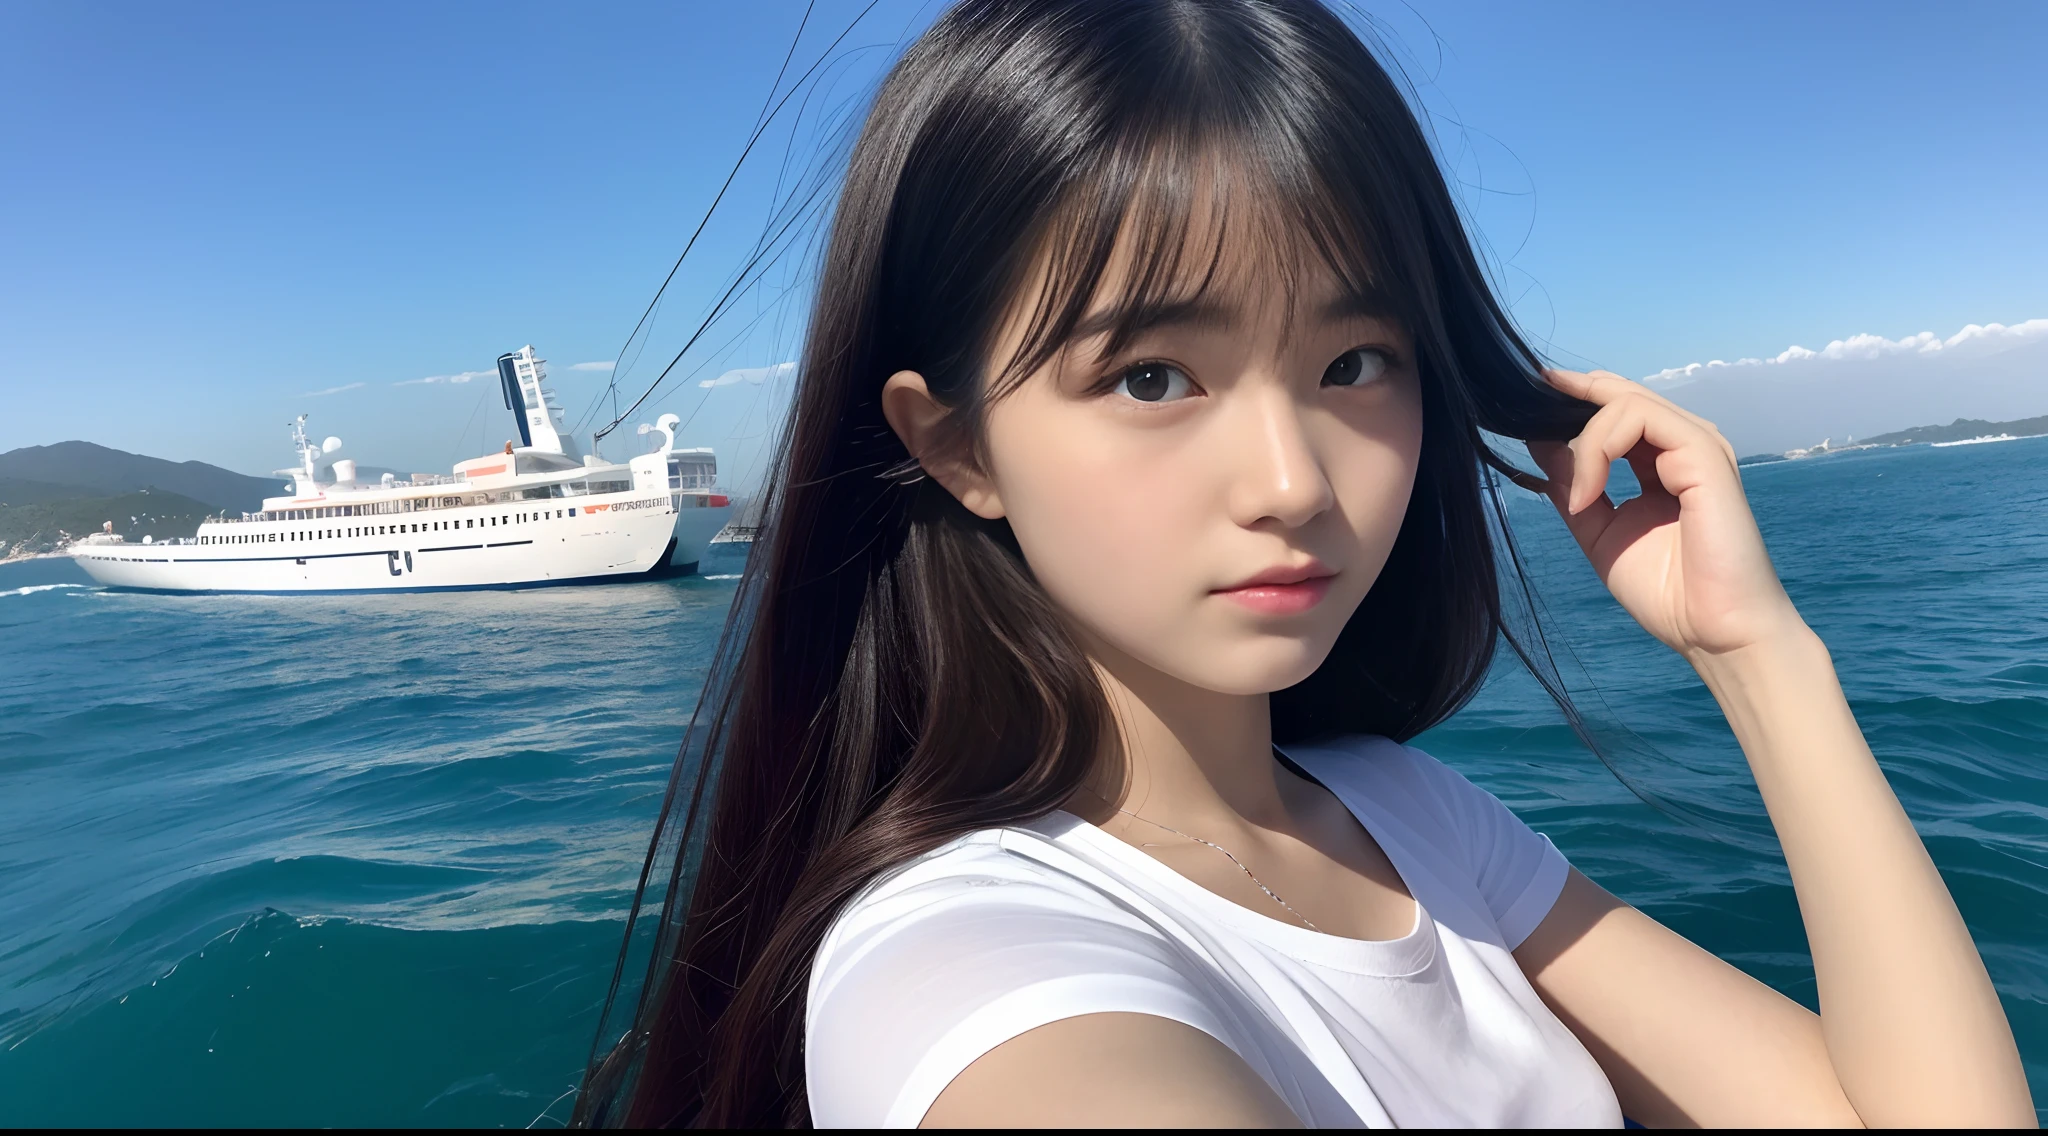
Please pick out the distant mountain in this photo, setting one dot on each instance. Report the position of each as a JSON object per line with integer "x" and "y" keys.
{"x": 100, "y": 471}
{"x": 1962, "y": 429}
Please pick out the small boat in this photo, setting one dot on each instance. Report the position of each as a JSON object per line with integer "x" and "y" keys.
{"x": 539, "y": 513}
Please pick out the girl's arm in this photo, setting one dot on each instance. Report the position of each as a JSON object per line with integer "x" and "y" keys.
{"x": 1910, "y": 1030}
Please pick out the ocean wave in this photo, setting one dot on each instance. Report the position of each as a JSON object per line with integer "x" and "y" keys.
{"x": 34, "y": 588}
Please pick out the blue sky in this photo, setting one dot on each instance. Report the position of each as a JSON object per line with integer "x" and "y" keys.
{"x": 209, "y": 213}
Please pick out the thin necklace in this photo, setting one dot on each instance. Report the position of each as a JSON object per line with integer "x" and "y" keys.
{"x": 1270, "y": 893}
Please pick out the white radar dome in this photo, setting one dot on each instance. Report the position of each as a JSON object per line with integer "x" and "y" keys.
{"x": 330, "y": 445}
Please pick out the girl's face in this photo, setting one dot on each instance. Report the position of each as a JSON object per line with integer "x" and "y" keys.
{"x": 1213, "y": 501}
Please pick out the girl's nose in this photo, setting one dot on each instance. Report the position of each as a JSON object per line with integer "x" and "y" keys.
{"x": 1276, "y": 474}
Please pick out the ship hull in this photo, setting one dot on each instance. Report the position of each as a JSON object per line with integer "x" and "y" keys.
{"x": 488, "y": 547}
{"x": 694, "y": 529}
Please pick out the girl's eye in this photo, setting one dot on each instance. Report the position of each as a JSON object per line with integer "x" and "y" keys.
{"x": 1356, "y": 367}
{"x": 1155, "y": 382}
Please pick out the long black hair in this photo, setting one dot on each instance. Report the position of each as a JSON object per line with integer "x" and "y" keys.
{"x": 892, "y": 676}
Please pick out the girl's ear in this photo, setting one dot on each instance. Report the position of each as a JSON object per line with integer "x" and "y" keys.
{"x": 919, "y": 421}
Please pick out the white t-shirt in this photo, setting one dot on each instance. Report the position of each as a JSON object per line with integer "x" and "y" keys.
{"x": 1008, "y": 929}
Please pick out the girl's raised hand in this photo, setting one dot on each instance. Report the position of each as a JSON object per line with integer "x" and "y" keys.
{"x": 1685, "y": 557}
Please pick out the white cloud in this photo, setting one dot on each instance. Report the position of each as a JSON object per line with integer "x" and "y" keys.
{"x": 458, "y": 377}
{"x": 1863, "y": 347}
{"x": 603, "y": 366}
{"x": 754, "y": 375}
{"x": 330, "y": 390}
{"x": 1868, "y": 384}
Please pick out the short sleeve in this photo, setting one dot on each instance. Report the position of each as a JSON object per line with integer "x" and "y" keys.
{"x": 910, "y": 988}
{"x": 1518, "y": 871}
{"x": 1455, "y": 827}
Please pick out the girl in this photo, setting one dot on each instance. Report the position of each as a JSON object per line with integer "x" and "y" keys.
{"x": 1134, "y": 512}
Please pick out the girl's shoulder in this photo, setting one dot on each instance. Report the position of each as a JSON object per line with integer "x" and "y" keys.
{"x": 982, "y": 939}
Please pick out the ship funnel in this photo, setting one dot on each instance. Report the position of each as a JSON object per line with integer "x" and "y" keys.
{"x": 522, "y": 376}
{"x": 515, "y": 399}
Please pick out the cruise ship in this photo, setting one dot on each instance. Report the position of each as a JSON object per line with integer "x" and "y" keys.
{"x": 539, "y": 513}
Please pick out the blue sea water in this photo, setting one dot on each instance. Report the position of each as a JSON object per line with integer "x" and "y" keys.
{"x": 336, "y": 861}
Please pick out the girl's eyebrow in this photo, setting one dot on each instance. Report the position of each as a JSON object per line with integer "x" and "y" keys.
{"x": 1133, "y": 320}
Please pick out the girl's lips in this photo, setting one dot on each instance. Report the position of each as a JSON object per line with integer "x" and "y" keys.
{"x": 1280, "y": 599}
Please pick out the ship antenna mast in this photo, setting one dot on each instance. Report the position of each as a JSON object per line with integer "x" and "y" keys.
{"x": 304, "y": 447}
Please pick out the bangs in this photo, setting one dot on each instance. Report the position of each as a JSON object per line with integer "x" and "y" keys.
{"x": 1195, "y": 214}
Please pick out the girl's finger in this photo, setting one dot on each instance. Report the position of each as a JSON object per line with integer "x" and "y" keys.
{"x": 1620, "y": 426}
{"x": 1609, "y": 387}
{"x": 1555, "y": 460}
{"x": 1578, "y": 384}
{"x": 1612, "y": 431}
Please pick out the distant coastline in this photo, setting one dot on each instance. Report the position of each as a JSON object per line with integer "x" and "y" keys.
{"x": 1959, "y": 432}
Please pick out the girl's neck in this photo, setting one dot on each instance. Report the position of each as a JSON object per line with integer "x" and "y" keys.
{"x": 1186, "y": 754}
